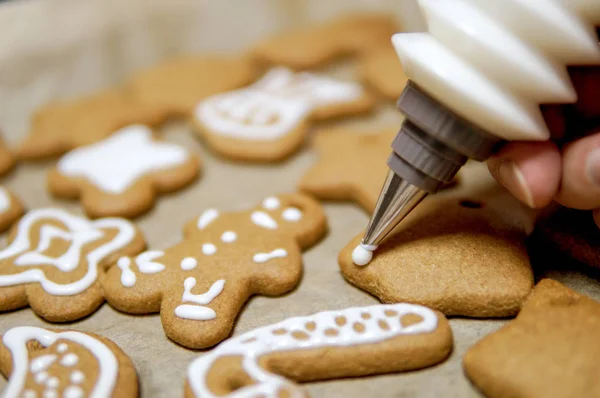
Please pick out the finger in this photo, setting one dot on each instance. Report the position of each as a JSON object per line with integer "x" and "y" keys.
{"x": 586, "y": 80}
{"x": 529, "y": 170}
{"x": 580, "y": 183}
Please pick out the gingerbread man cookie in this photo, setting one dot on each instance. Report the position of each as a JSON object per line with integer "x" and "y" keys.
{"x": 11, "y": 208}
{"x": 65, "y": 125}
{"x": 334, "y": 344}
{"x": 122, "y": 174}
{"x": 64, "y": 363}
{"x": 7, "y": 160}
{"x": 54, "y": 258}
{"x": 381, "y": 69}
{"x": 317, "y": 45}
{"x": 177, "y": 85}
{"x": 200, "y": 285}
{"x": 269, "y": 119}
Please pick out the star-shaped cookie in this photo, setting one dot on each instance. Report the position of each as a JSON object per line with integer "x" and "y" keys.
{"x": 61, "y": 126}
{"x": 121, "y": 175}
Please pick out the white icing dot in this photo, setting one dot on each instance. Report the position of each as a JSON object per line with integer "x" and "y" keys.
{"x": 52, "y": 382}
{"x": 209, "y": 249}
{"x": 292, "y": 214}
{"x": 263, "y": 220}
{"x": 29, "y": 394}
{"x": 271, "y": 203}
{"x": 206, "y": 218}
{"x": 189, "y": 263}
{"x": 77, "y": 377}
{"x": 362, "y": 254}
{"x": 49, "y": 394}
{"x": 69, "y": 360}
{"x": 40, "y": 377}
{"x": 73, "y": 392}
{"x": 264, "y": 257}
{"x": 228, "y": 236}
{"x": 42, "y": 362}
{"x": 62, "y": 347}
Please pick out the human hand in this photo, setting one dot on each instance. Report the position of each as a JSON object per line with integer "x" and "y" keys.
{"x": 563, "y": 170}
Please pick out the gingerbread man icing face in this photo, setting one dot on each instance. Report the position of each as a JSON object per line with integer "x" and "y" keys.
{"x": 200, "y": 285}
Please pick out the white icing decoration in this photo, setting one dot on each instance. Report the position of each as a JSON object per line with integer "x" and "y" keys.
{"x": 208, "y": 216}
{"x": 42, "y": 362}
{"x": 49, "y": 394}
{"x": 77, "y": 377}
{"x": 81, "y": 231}
{"x": 16, "y": 341}
{"x": 271, "y": 203}
{"x": 188, "y": 263}
{"x": 146, "y": 264}
{"x": 4, "y": 200}
{"x": 73, "y": 392}
{"x": 209, "y": 249}
{"x": 128, "y": 277}
{"x": 264, "y": 257}
{"x": 362, "y": 254}
{"x": 41, "y": 377}
{"x": 198, "y": 312}
{"x": 274, "y": 105}
{"x": 52, "y": 382}
{"x": 256, "y": 343}
{"x": 69, "y": 360}
{"x": 229, "y": 236}
{"x": 61, "y": 348}
{"x": 263, "y": 220}
{"x": 117, "y": 162}
{"x": 292, "y": 214}
{"x": 29, "y": 394}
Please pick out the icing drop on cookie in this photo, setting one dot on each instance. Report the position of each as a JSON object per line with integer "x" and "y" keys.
{"x": 128, "y": 277}
{"x": 40, "y": 377}
{"x": 42, "y": 362}
{"x": 209, "y": 249}
{"x": 271, "y": 203}
{"x": 77, "y": 377}
{"x": 61, "y": 348}
{"x": 362, "y": 254}
{"x": 73, "y": 392}
{"x": 52, "y": 382}
{"x": 262, "y": 219}
{"x": 146, "y": 264}
{"x": 264, "y": 257}
{"x": 29, "y": 394}
{"x": 292, "y": 214}
{"x": 69, "y": 360}
{"x": 208, "y": 216}
{"x": 229, "y": 236}
{"x": 4, "y": 200}
{"x": 188, "y": 263}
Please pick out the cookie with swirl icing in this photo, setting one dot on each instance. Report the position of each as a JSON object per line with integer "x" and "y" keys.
{"x": 200, "y": 285}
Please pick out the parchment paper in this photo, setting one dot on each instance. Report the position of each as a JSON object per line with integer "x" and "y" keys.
{"x": 64, "y": 47}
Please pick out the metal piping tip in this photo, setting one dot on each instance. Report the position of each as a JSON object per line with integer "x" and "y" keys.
{"x": 397, "y": 198}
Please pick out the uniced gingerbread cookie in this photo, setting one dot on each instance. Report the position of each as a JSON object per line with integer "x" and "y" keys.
{"x": 43, "y": 362}
{"x": 269, "y": 119}
{"x": 7, "y": 160}
{"x": 550, "y": 350}
{"x": 11, "y": 208}
{"x": 316, "y": 45}
{"x": 200, "y": 285}
{"x": 381, "y": 70}
{"x": 64, "y": 125}
{"x": 122, "y": 174}
{"x": 177, "y": 85}
{"x": 352, "y": 342}
{"x": 53, "y": 261}
{"x": 458, "y": 257}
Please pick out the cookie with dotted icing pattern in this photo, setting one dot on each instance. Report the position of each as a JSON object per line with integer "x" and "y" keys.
{"x": 53, "y": 261}
{"x": 352, "y": 342}
{"x": 268, "y": 120}
{"x": 316, "y": 45}
{"x": 550, "y": 350}
{"x": 43, "y": 362}
{"x": 381, "y": 70}
{"x": 7, "y": 160}
{"x": 351, "y": 165}
{"x": 200, "y": 285}
{"x": 457, "y": 256}
{"x": 64, "y": 125}
{"x": 11, "y": 208}
{"x": 178, "y": 84}
{"x": 122, "y": 174}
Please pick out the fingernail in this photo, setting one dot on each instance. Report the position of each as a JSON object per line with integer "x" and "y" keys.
{"x": 593, "y": 166}
{"x": 513, "y": 179}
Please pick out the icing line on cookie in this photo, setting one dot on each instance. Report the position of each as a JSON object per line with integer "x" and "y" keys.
{"x": 264, "y": 257}
{"x": 128, "y": 277}
{"x": 202, "y": 299}
{"x": 292, "y": 214}
{"x": 208, "y": 216}
{"x": 146, "y": 264}
{"x": 262, "y": 219}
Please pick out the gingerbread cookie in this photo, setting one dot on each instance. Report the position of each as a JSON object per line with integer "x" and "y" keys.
{"x": 7, "y": 160}
{"x": 11, "y": 208}
{"x": 328, "y": 345}
{"x": 178, "y": 85}
{"x": 458, "y": 257}
{"x": 54, "y": 258}
{"x": 200, "y": 285}
{"x": 550, "y": 349}
{"x": 317, "y": 45}
{"x": 64, "y": 363}
{"x": 122, "y": 174}
{"x": 268, "y": 120}
{"x": 62, "y": 126}
{"x": 381, "y": 69}
{"x": 351, "y": 165}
